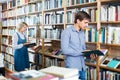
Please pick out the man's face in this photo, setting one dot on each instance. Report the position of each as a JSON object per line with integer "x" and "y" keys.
{"x": 83, "y": 24}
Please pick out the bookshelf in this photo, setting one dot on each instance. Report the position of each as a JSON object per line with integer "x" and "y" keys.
{"x": 0, "y": 26}
{"x": 50, "y": 17}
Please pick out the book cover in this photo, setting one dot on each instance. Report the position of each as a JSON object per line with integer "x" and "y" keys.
{"x": 60, "y": 72}
{"x": 113, "y": 63}
{"x": 101, "y": 52}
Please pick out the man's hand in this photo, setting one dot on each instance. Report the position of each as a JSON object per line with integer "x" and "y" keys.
{"x": 93, "y": 56}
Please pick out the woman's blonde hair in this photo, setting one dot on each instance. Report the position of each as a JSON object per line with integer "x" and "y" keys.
{"x": 20, "y": 25}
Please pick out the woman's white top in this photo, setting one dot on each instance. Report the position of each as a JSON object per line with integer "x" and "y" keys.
{"x": 15, "y": 40}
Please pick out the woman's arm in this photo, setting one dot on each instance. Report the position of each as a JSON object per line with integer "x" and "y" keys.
{"x": 15, "y": 41}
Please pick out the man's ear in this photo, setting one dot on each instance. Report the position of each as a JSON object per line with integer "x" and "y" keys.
{"x": 78, "y": 21}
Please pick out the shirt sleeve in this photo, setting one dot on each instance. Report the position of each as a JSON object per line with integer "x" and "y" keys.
{"x": 66, "y": 49}
{"x": 14, "y": 42}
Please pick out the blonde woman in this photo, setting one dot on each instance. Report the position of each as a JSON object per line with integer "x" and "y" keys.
{"x": 21, "y": 59}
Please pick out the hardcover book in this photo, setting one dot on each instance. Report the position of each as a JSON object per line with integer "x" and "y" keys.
{"x": 113, "y": 63}
{"x": 30, "y": 44}
{"x": 101, "y": 52}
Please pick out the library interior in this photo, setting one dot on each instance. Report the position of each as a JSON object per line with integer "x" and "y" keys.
{"x": 59, "y": 39}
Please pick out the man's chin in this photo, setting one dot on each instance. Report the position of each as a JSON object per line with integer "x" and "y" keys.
{"x": 84, "y": 28}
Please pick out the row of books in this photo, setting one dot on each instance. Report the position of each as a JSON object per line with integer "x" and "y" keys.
{"x": 106, "y": 12}
{"x": 110, "y": 13}
{"x": 31, "y": 8}
{"x": 74, "y": 2}
{"x": 58, "y": 17}
{"x": 31, "y": 20}
{"x": 9, "y": 58}
{"x": 53, "y": 17}
{"x": 35, "y": 58}
{"x": 21, "y": 2}
{"x": 1, "y": 60}
{"x": 35, "y": 61}
{"x": 91, "y": 11}
{"x": 53, "y": 61}
{"x": 49, "y": 33}
{"x": 52, "y": 33}
{"x": 9, "y": 22}
{"x": 51, "y": 4}
{"x": 4, "y": 41}
{"x": 7, "y": 49}
{"x": 109, "y": 34}
{"x": 9, "y": 31}
{"x": 104, "y": 74}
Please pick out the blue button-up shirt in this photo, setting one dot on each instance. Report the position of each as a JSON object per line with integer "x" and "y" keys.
{"x": 72, "y": 44}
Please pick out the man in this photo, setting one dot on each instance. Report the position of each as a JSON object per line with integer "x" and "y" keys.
{"x": 73, "y": 43}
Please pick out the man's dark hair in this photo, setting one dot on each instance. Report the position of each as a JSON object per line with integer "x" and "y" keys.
{"x": 81, "y": 15}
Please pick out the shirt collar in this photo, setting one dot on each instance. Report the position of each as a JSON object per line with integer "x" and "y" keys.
{"x": 73, "y": 29}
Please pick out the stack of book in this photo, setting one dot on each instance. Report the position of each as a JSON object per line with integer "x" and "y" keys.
{"x": 62, "y": 73}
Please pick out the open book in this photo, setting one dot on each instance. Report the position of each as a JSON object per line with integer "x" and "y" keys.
{"x": 101, "y": 52}
{"x": 30, "y": 44}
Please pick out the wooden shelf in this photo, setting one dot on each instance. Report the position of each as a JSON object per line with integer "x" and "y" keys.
{"x": 11, "y": 8}
{"x": 90, "y": 64}
{"x": 33, "y": 2}
{"x": 54, "y": 56}
{"x": 110, "y": 69}
{"x": 112, "y": 45}
{"x": 109, "y": 1}
{"x": 110, "y": 22}
{"x": 17, "y": 6}
{"x": 36, "y": 12}
{"x": 82, "y": 5}
{"x": 90, "y": 23}
{"x": 59, "y": 24}
{"x": 55, "y": 9}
